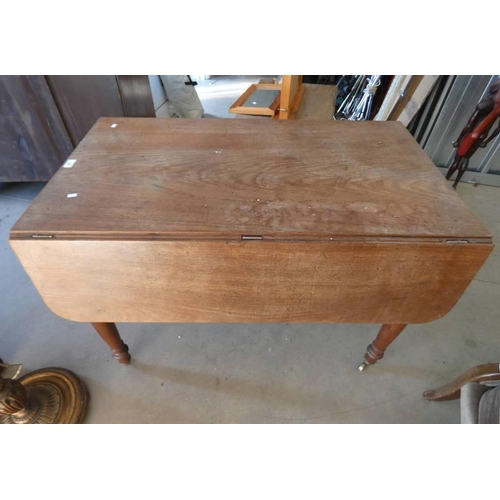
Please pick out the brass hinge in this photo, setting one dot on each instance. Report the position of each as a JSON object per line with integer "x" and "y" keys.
{"x": 251, "y": 237}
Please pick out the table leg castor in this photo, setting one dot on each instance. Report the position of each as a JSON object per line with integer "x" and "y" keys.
{"x": 376, "y": 349}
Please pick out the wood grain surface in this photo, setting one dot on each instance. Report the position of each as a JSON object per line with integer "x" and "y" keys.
{"x": 221, "y": 179}
{"x": 33, "y": 139}
{"x": 291, "y": 94}
{"x": 318, "y": 102}
{"x": 82, "y": 99}
{"x": 253, "y": 281}
{"x": 136, "y": 95}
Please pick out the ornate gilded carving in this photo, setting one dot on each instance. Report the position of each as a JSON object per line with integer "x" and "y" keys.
{"x": 12, "y": 396}
{"x": 48, "y": 396}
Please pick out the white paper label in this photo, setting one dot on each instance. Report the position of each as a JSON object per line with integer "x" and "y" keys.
{"x": 69, "y": 163}
{"x": 72, "y": 195}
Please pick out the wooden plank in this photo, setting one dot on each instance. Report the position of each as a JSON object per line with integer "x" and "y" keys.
{"x": 82, "y": 99}
{"x": 417, "y": 99}
{"x": 291, "y": 112}
{"x": 254, "y": 281}
{"x": 296, "y": 102}
{"x": 33, "y": 139}
{"x": 398, "y": 84}
{"x": 291, "y": 179}
{"x": 406, "y": 96}
{"x": 286, "y": 96}
{"x": 136, "y": 95}
{"x": 290, "y": 85}
{"x": 254, "y": 117}
{"x": 318, "y": 102}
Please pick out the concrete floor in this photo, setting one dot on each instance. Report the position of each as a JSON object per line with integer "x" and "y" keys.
{"x": 244, "y": 373}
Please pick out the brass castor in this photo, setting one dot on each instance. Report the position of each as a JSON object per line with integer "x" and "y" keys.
{"x": 47, "y": 396}
{"x": 363, "y": 366}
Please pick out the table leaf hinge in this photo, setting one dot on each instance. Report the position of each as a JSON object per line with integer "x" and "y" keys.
{"x": 251, "y": 237}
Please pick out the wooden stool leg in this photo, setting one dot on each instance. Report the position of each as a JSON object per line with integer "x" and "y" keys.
{"x": 109, "y": 333}
{"x": 376, "y": 349}
{"x": 481, "y": 373}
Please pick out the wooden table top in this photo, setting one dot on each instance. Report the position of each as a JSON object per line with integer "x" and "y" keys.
{"x": 152, "y": 178}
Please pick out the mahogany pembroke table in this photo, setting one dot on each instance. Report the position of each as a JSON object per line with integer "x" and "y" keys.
{"x": 210, "y": 220}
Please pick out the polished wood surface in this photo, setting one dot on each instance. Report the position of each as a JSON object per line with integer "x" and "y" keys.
{"x": 249, "y": 221}
{"x": 249, "y": 281}
{"x": 385, "y": 337}
{"x": 282, "y": 180}
{"x": 109, "y": 333}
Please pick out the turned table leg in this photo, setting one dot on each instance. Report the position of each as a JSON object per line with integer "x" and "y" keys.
{"x": 109, "y": 333}
{"x": 376, "y": 349}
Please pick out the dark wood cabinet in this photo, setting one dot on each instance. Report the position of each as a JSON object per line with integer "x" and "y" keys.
{"x": 81, "y": 100}
{"x": 43, "y": 118}
{"x": 33, "y": 139}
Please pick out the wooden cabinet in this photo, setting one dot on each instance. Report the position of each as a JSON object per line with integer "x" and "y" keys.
{"x": 33, "y": 139}
{"x": 42, "y": 118}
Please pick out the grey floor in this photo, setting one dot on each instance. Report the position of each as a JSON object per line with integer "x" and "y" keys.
{"x": 240, "y": 373}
